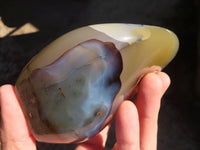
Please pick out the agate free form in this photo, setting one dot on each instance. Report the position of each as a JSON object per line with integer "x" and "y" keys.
{"x": 72, "y": 88}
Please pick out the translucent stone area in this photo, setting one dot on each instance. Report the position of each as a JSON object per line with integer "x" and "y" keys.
{"x": 71, "y": 90}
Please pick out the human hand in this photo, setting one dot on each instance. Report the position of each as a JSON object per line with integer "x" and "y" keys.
{"x": 136, "y": 123}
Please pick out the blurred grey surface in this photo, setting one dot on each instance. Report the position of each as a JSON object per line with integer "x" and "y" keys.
{"x": 28, "y": 26}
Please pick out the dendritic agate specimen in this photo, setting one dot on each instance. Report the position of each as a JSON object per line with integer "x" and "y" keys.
{"x": 71, "y": 89}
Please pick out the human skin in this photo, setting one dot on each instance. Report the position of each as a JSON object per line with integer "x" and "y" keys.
{"x": 136, "y": 122}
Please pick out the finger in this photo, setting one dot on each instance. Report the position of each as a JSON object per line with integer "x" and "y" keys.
{"x": 14, "y": 133}
{"x": 150, "y": 91}
{"x": 127, "y": 127}
{"x": 97, "y": 142}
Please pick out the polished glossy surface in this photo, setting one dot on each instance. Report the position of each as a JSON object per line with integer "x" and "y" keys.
{"x": 72, "y": 88}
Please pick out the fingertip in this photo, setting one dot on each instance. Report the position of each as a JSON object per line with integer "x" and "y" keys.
{"x": 151, "y": 84}
{"x": 6, "y": 93}
{"x": 5, "y": 88}
{"x": 126, "y": 106}
{"x": 165, "y": 80}
{"x": 154, "y": 83}
{"x": 127, "y": 110}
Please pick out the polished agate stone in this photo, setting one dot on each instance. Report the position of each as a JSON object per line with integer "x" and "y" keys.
{"x": 71, "y": 90}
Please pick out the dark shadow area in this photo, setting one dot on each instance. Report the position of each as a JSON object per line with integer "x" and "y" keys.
{"x": 179, "y": 116}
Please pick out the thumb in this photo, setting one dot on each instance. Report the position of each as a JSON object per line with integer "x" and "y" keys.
{"x": 15, "y": 133}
